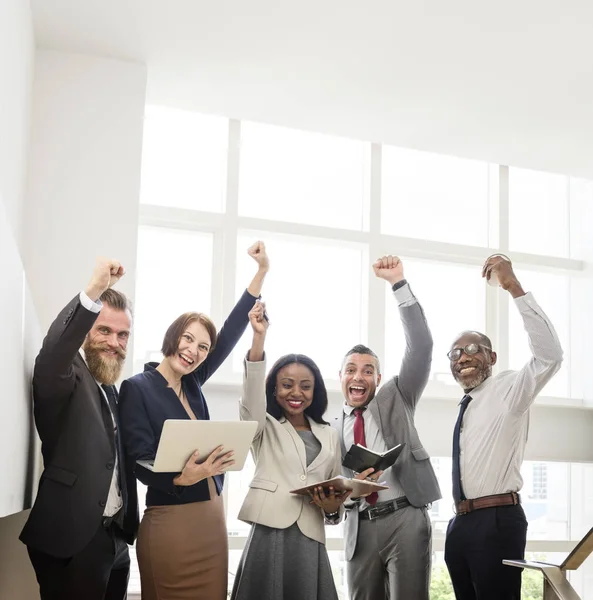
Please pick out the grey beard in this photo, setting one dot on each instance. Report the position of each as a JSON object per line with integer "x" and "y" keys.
{"x": 476, "y": 381}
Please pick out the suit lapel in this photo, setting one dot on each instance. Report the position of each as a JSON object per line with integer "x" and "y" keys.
{"x": 108, "y": 419}
{"x": 298, "y": 442}
{"x": 322, "y": 433}
{"x": 120, "y": 452}
{"x": 98, "y": 401}
{"x": 395, "y": 431}
{"x": 373, "y": 408}
{"x": 100, "y": 408}
{"x": 339, "y": 425}
{"x": 340, "y": 429}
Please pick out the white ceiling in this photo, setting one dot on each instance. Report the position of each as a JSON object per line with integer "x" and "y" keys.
{"x": 508, "y": 81}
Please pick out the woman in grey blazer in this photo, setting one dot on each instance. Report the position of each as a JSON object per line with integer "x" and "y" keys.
{"x": 285, "y": 555}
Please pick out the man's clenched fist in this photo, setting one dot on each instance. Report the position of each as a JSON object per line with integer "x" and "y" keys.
{"x": 389, "y": 268}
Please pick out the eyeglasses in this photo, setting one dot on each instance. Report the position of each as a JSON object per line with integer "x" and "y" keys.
{"x": 470, "y": 350}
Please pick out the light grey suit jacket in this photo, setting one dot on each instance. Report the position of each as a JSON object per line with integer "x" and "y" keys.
{"x": 281, "y": 464}
{"x": 393, "y": 409}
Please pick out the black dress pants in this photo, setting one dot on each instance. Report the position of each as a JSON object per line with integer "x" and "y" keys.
{"x": 475, "y": 547}
{"x": 100, "y": 571}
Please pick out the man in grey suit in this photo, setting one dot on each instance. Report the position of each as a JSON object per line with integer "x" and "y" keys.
{"x": 388, "y": 535}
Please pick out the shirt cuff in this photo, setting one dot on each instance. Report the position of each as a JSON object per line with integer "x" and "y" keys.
{"x": 89, "y": 304}
{"x": 255, "y": 366}
{"x": 526, "y": 303}
{"x": 404, "y": 295}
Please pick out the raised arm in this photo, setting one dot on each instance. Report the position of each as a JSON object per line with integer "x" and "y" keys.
{"x": 415, "y": 368}
{"x": 237, "y": 321}
{"x": 253, "y": 399}
{"x": 53, "y": 375}
{"x": 547, "y": 354}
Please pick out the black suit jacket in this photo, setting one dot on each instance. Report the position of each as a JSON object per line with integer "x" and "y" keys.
{"x": 78, "y": 444}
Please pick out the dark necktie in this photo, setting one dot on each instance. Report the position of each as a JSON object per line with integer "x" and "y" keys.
{"x": 111, "y": 394}
{"x": 359, "y": 438}
{"x": 457, "y": 489}
{"x": 111, "y": 397}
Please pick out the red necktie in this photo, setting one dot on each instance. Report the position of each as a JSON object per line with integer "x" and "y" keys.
{"x": 359, "y": 438}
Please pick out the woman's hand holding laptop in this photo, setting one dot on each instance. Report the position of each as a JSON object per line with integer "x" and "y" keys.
{"x": 216, "y": 464}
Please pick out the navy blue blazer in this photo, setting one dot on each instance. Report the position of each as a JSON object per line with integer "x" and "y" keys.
{"x": 146, "y": 402}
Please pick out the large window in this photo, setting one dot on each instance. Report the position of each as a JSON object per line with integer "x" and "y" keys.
{"x": 546, "y": 211}
{"x": 174, "y": 276}
{"x": 289, "y": 175}
{"x": 453, "y": 299}
{"x": 539, "y": 212}
{"x": 539, "y": 484}
{"x": 308, "y": 298}
{"x": 211, "y": 187}
{"x": 552, "y": 292}
{"x": 435, "y": 197}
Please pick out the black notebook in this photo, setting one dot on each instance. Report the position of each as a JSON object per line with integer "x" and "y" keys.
{"x": 359, "y": 458}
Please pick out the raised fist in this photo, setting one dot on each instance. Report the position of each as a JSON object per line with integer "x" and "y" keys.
{"x": 257, "y": 251}
{"x": 501, "y": 269}
{"x": 106, "y": 274}
{"x": 257, "y": 318}
{"x": 389, "y": 268}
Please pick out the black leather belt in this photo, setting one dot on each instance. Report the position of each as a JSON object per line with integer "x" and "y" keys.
{"x": 385, "y": 508}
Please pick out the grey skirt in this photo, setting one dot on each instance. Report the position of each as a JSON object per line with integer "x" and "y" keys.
{"x": 283, "y": 564}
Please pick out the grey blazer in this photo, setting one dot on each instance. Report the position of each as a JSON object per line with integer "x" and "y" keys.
{"x": 393, "y": 409}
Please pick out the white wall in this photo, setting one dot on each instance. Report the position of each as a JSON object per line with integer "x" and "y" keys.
{"x": 15, "y": 372}
{"x": 16, "y": 74}
{"x": 18, "y": 320}
{"x": 75, "y": 198}
{"x": 84, "y": 173}
{"x": 16, "y": 71}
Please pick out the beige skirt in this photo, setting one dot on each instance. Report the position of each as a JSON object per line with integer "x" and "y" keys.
{"x": 183, "y": 551}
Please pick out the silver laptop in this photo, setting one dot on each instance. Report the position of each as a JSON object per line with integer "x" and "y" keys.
{"x": 182, "y": 437}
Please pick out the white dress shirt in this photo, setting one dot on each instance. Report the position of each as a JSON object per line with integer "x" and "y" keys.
{"x": 496, "y": 422}
{"x": 372, "y": 434}
{"x": 376, "y": 443}
{"x": 114, "y": 499}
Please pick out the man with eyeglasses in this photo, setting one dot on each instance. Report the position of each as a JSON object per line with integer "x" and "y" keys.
{"x": 488, "y": 447}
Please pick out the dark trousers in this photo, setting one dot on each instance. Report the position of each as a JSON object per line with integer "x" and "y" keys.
{"x": 100, "y": 571}
{"x": 475, "y": 547}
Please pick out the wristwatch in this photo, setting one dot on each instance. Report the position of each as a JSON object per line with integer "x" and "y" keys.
{"x": 398, "y": 285}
